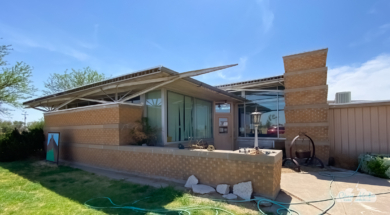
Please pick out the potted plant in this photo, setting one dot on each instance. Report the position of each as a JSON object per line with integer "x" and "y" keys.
{"x": 144, "y": 133}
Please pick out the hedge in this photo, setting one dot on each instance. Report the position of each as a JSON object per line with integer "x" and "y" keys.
{"x": 18, "y": 146}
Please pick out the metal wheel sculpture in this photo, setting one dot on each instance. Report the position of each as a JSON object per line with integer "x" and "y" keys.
{"x": 310, "y": 155}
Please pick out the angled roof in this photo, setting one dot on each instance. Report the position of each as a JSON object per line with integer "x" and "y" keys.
{"x": 141, "y": 73}
{"x": 252, "y": 82}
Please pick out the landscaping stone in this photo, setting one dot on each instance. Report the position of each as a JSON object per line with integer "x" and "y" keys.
{"x": 223, "y": 189}
{"x": 192, "y": 180}
{"x": 243, "y": 190}
{"x": 202, "y": 189}
{"x": 230, "y": 196}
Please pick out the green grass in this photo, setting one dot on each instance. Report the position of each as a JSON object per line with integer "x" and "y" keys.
{"x": 37, "y": 187}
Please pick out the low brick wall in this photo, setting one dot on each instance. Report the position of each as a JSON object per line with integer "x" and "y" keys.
{"x": 211, "y": 168}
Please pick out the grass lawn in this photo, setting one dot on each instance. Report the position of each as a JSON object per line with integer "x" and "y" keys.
{"x": 37, "y": 187}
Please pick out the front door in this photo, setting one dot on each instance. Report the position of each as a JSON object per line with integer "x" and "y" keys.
{"x": 223, "y": 135}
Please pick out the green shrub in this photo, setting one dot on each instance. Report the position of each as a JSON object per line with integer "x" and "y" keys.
{"x": 377, "y": 168}
{"x": 377, "y": 165}
{"x": 18, "y": 146}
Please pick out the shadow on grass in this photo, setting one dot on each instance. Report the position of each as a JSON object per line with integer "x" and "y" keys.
{"x": 80, "y": 186}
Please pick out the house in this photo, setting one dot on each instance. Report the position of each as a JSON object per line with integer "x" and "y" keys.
{"x": 95, "y": 123}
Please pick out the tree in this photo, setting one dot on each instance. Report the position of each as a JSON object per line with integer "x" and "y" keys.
{"x": 8, "y": 126}
{"x": 15, "y": 83}
{"x": 77, "y": 78}
{"x": 271, "y": 118}
{"x": 36, "y": 124}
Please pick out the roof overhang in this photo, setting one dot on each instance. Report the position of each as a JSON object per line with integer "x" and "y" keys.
{"x": 263, "y": 82}
{"x": 137, "y": 83}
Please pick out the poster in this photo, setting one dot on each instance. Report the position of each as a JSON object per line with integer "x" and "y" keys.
{"x": 52, "y": 149}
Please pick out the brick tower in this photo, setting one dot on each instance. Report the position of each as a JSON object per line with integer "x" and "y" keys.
{"x": 306, "y": 94}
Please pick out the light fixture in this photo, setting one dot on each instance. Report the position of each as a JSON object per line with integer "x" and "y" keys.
{"x": 256, "y": 116}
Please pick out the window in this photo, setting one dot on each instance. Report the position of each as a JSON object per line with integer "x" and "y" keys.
{"x": 271, "y": 105}
{"x": 188, "y": 117}
{"x": 223, "y": 125}
{"x": 222, "y": 108}
{"x": 153, "y": 110}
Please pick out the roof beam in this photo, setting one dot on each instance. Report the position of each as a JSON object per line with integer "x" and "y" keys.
{"x": 249, "y": 85}
{"x": 177, "y": 77}
{"x": 147, "y": 90}
{"x": 94, "y": 100}
{"x": 110, "y": 87}
{"x": 203, "y": 71}
{"x": 39, "y": 109}
{"x": 164, "y": 80}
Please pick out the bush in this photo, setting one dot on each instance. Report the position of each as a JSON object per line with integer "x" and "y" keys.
{"x": 144, "y": 132}
{"x": 18, "y": 146}
{"x": 377, "y": 165}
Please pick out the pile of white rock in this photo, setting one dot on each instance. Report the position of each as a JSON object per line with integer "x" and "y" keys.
{"x": 243, "y": 190}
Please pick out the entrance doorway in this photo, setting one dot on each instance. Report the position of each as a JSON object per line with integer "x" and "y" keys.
{"x": 223, "y": 127}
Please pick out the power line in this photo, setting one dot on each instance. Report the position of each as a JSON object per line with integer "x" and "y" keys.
{"x": 25, "y": 117}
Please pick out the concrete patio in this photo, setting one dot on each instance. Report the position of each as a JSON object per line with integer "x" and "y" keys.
{"x": 309, "y": 185}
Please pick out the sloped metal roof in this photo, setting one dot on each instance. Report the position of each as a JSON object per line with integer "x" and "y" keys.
{"x": 122, "y": 78}
{"x": 250, "y": 82}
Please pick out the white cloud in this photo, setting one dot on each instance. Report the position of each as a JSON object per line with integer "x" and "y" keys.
{"x": 20, "y": 38}
{"x": 266, "y": 14}
{"x": 368, "y": 81}
{"x": 234, "y": 74}
{"x": 228, "y": 75}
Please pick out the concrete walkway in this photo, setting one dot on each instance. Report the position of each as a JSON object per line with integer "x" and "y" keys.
{"x": 312, "y": 186}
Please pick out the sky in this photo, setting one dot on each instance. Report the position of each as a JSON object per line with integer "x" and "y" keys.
{"x": 119, "y": 37}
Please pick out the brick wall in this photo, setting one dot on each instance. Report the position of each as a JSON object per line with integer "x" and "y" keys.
{"x": 211, "y": 168}
{"x": 306, "y": 94}
{"x": 305, "y": 61}
{"x": 311, "y": 78}
{"x": 307, "y": 115}
{"x": 100, "y": 124}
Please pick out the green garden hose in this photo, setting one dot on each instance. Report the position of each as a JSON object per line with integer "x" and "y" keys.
{"x": 256, "y": 199}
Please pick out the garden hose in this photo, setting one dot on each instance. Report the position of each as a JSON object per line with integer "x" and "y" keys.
{"x": 258, "y": 200}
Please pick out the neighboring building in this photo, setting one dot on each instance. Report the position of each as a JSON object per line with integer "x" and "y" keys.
{"x": 103, "y": 113}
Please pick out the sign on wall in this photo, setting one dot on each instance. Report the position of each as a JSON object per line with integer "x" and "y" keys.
{"x": 52, "y": 148}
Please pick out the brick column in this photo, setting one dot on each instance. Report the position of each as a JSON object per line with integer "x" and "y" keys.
{"x": 306, "y": 94}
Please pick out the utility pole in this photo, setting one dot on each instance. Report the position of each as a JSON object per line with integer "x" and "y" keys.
{"x": 25, "y": 117}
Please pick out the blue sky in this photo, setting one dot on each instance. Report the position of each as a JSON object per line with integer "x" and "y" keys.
{"x": 118, "y": 37}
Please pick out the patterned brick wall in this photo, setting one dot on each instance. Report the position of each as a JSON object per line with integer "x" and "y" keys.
{"x": 308, "y": 79}
{"x": 103, "y": 136}
{"x": 306, "y": 97}
{"x": 83, "y": 116}
{"x": 265, "y": 177}
{"x": 307, "y": 115}
{"x": 305, "y": 61}
{"x": 128, "y": 117}
{"x": 103, "y": 125}
{"x": 305, "y": 82}
{"x": 317, "y": 133}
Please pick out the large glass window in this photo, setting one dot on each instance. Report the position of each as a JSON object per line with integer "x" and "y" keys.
{"x": 282, "y": 118}
{"x": 271, "y": 105}
{"x": 153, "y": 110}
{"x": 188, "y": 117}
{"x": 203, "y": 119}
